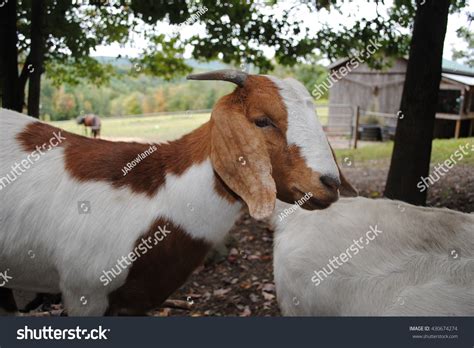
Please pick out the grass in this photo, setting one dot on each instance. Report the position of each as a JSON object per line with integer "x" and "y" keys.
{"x": 442, "y": 150}
{"x": 148, "y": 128}
{"x": 162, "y": 128}
{"x": 156, "y": 128}
{"x": 322, "y": 111}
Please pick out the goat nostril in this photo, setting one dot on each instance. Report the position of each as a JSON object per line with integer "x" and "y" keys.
{"x": 330, "y": 181}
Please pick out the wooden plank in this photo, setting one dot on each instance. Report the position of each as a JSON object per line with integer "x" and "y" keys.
{"x": 379, "y": 114}
{"x": 458, "y": 129}
{"x": 356, "y": 127}
{"x": 454, "y": 117}
{"x": 463, "y": 102}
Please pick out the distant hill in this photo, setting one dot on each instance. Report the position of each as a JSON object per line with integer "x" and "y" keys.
{"x": 125, "y": 63}
{"x": 138, "y": 94}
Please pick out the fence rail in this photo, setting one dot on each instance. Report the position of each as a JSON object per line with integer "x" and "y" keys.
{"x": 378, "y": 114}
{"x": 165, "y": 113}
{"x": 340, "y": 121}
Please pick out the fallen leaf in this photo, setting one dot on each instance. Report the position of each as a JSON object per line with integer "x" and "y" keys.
{"x": 246, "y": 312}
{"x": 267, "y": 296}
{"x": 246, "y": 284}
{"x": 221, "y": 292}
{"x": 268, "y": 287}
{"x": 254, "y": 298}
{"x": 233, "y": 251}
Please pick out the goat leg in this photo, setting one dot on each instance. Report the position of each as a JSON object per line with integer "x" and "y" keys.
{"x": 7, "y": 301}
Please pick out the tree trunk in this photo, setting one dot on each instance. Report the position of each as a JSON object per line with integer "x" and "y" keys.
{"x": 35, "y": 66}
{"x": 412, "y": 150}
{"x": 11, "y": 91}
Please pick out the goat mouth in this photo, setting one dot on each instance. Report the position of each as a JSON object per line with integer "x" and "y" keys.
{"x": 312, "y": 203}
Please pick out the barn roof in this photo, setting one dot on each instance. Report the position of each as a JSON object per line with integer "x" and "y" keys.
{"x": 337, "y": 62}
{"x": 456, "y": 68}
{"x": 449, "y": 67}
{"x": 341, "y": 61}
{"x": 465, "y": 80}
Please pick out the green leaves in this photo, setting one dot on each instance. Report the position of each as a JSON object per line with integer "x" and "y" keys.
{"x": 73, "y": 70}
{"x": 468, "y": 54}
{"x": 152, "y": 11}
{"x": 237, "y": 32}
{"x": 163, "y": 57}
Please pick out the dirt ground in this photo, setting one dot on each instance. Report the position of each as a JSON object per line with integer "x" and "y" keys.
{"x": 241, "y": 282}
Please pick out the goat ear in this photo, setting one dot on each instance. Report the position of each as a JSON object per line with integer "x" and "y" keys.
{"x": 346, "y": 189}
{"x": 240, "y": 158}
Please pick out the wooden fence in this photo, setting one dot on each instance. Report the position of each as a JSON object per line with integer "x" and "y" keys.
{"x": 341, "y": 122}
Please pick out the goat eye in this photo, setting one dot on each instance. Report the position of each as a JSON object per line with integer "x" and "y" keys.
{"x": 263, "y": 122}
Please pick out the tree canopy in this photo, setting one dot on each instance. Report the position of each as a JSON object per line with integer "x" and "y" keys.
{"x": 466, "y": 55}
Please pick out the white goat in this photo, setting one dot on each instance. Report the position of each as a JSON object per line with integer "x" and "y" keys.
{"x": 365, "y": 257}
{"x": 116, "y": 227}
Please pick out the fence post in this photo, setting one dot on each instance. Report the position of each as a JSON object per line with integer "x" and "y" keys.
{"x": 356, "y": 127}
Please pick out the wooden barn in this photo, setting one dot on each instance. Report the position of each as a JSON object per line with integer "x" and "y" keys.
{"x": 377, "y": 95}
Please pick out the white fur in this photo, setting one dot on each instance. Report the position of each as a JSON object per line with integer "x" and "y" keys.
{"x": 50, "y": 247}
{"x": 405, "y": 270}
{"x": 304, "y": 128}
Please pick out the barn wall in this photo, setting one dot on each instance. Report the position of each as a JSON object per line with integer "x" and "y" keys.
{"x": 378, "y": 91}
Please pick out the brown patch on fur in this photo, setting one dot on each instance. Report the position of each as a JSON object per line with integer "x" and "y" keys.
{"x": 240, "y": 152}
{"x": 101, "y": 160}
{"x": 158, "y": 272}
{"x": 261, "y": 97}
{"x": 429, "y": 244}
{"x": 271, "y": 165}
{"x": 294, "y": 178}
{"x": 224, "y": 191}
{"x": 240, "y": 158}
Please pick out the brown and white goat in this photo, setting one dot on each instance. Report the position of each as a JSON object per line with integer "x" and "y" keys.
{"x": 73, "y": 216}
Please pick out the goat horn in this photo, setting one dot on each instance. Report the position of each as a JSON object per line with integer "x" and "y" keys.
{"x": 235, "y": 76}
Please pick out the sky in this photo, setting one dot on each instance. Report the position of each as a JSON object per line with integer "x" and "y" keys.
{"x": 351, "y": 12}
